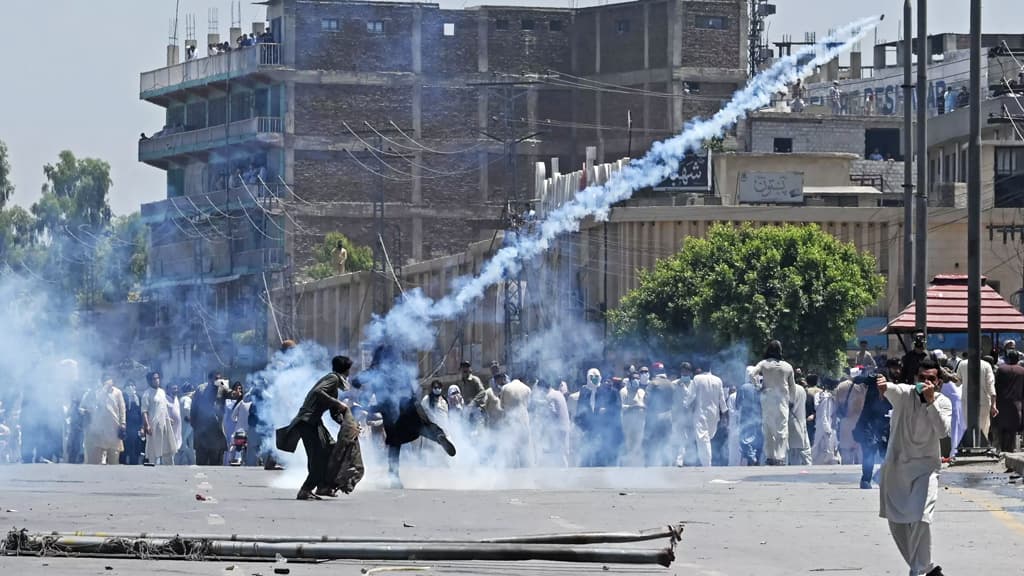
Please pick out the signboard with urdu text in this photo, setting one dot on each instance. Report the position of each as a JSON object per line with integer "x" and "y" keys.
{"x": 771, "y": 188}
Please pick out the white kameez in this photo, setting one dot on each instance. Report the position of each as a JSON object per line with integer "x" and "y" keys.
{"x": 909, "y": 482}
{"x": 160, "y": 442}
{"x": 778, "y": 385}
{"x": 799, "y": 444}
{"x": 988, "y": 390}
{"x": 909, "y": 485}
{"x": 708, "y": 406}
{"x": 735, "y": 456}
{"x": 826, "y": 442}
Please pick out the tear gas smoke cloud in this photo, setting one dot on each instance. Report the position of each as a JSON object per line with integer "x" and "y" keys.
{"x": 409, "y": 326}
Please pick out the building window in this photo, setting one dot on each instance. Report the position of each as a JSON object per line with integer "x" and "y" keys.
{"x": 501, "y": 24}
{"x": 555, "y": 25}
{"x": 712, "y": 22}
{"x": 783, "y": 146}
{"x": 1009, "y": 177}
{"x": 621, "y": 26}
{"x": 329, "y": 25}
{"x": 527, "y": 24}
{"x": 448, "y": 29}
{"x": 375, "y": 26}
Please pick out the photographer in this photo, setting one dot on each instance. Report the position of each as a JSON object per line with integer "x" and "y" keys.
{"x": 909, "y": 481}
{"x": 915, "y": 356}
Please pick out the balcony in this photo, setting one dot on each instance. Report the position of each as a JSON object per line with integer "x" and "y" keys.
{"x": 255, "y": 198}
{"x": 162, "y": 146}
{"x": 202, "y": 71}
{"x": 178, "y": 263}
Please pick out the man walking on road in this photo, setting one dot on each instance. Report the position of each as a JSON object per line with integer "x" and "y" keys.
{"x": 909, "y": 485}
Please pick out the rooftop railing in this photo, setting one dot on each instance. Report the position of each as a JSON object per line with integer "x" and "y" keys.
{"x": 237, "y": 62}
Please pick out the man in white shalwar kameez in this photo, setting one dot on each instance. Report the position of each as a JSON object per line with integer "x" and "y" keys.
{"x": 825, "y": 450}
{"x": 778, "y": 384}
{"x": 988, "y": 392}
{"x": 708, "y": 397}
{"x": 735, "y": 456}
{"x": 103, "y": 437}
{"x": 156, "y": 422}
{"x": 909, "y": 485}
{"x": 799, "y": 444}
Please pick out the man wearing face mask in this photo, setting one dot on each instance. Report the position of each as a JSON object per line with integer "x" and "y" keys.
{"x": 645, "y": 377}
{"x": 633, "y": 407}
{"x": 659, "y": 401}
{"x": 587, "y": 419}
{"x": 909, "y": 484}
{"x": 684, "y": 431}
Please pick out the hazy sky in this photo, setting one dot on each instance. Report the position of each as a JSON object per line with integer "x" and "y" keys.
{"x": 71, "y": 72}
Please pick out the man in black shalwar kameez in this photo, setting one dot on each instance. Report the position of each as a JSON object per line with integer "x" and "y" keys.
{"x": 403, "y": 418}
{"x": 309, "y": 427}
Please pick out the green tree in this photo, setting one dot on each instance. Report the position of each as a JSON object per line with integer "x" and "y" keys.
{"x": 749, "y": 285}
{"x": 6, "y": 187}
{"x": 17, "y": 229}
{"x": 359, "y": 257}
{"x": 74, "y": 195}
{"x": 70, "y": 218}
{"x": 121, "y": 253}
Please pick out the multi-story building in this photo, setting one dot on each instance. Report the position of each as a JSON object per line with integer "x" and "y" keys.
{"x": 403, "y": 126}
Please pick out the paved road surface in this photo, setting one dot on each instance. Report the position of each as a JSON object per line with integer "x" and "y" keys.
{"x": 742, "y": 521}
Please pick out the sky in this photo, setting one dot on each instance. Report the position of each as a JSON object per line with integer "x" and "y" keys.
{"x": 71, "y": 72}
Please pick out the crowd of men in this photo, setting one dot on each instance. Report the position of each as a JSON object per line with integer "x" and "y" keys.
{"x": 644, "y": 416}
{"x": 113, "y": 423}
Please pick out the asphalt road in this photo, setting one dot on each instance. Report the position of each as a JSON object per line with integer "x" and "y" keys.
{"x": 740, "y": 521}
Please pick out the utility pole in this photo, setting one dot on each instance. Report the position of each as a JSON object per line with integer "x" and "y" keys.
{"x": 377, "y": 279}
{"x": 907, "y": 294}
{"x": 514, "y": 293}
{"x": 921, "y": 256}
{"x": 974, "y": 228}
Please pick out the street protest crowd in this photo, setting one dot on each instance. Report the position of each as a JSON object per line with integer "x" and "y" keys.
{"x": 640, "y": 416}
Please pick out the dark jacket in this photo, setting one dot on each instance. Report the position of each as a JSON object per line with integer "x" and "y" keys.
{"x": 321, "y": 398}
{"x": 1010, "y": 397}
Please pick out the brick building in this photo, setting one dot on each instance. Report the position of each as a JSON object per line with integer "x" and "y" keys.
{"x": 433, "y": 117}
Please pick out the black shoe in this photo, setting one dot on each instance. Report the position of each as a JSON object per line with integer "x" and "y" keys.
{"x": 937, "y": 571}
{"x": 447, "y": 445}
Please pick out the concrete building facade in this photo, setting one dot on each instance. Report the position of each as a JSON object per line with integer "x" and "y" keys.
{"x": 399, "y": 122}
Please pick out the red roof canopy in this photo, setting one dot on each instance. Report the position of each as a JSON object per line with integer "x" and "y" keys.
{"x": 947, "y": 309}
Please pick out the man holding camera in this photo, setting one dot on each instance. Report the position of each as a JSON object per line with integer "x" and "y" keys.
{"x": 909, "y": 483}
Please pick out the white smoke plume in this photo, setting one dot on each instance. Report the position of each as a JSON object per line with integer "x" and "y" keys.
{"x": 410, "y": 325}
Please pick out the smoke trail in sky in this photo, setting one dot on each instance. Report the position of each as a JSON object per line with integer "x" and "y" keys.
{"x": 409, "y": 326}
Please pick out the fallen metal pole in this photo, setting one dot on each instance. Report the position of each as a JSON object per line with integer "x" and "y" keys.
{"x": 447, "y": 552}
{"x": 672, "y": 532}
{"x": 199, "y": 549}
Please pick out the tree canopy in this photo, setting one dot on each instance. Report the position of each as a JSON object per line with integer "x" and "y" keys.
{"x": 749, "y": 285}
{"x": 69, "y": 239}
{"x": 359, "y": 257}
